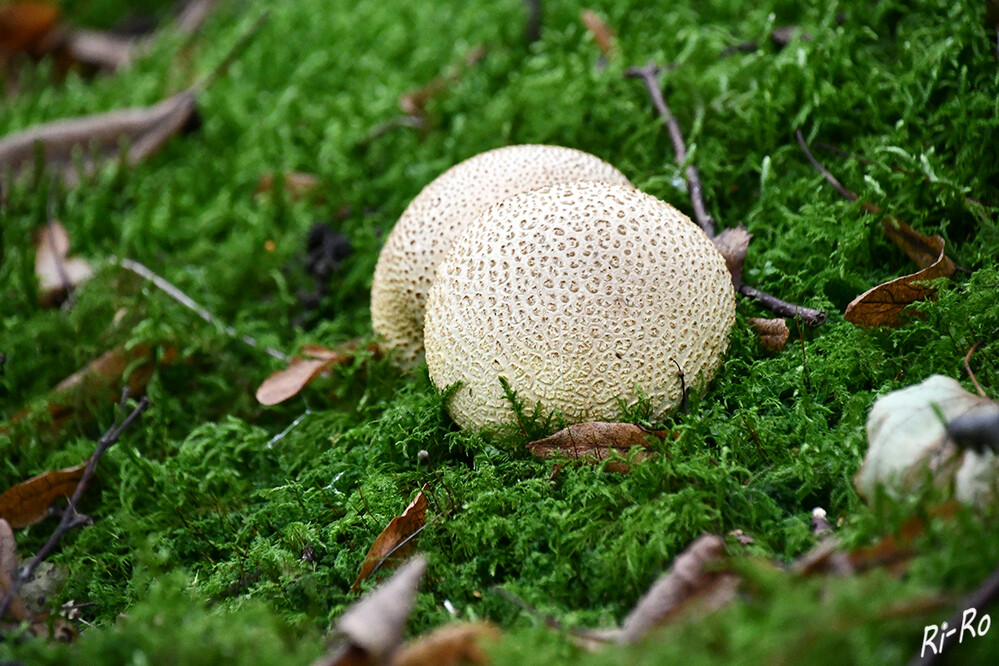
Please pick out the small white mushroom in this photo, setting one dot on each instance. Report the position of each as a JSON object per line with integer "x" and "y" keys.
{"x": 581, "y": 295}
{"x": 424, "y": 233}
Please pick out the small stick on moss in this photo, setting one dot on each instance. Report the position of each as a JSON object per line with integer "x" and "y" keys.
{"x": 649, "y": 75}
{"x": 810, "y": 316}
{"x": 176, "y": 294}
{"x": 70, "y": 518}
{"x": 967, "y": 368}
{"x": 831, "y": 179}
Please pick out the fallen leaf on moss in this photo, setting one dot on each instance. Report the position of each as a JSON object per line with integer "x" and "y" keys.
{"x": 451, "y": 645}
{"x": 602, "y": 33}
{"x": 773, "y": 332}
{"x": 396, "y": 540}
{"x": 287, "y": 383}
{"x": 694, "y": 583}
{"x": 57, "y": 273}
{"x": 597, "y": 440}
{"x": 8, "y": 569}
{"x": 414, "y": 102}
{"x": 101, "y": 380}
{"x": 370, "y": 630}
{"x": 923, "y": 250}
{"x": 28, "y": 502}
{"x": 733, "y": 244}
{"x": 295, "y": 183}
{"x": 25, "y": 26}
{"x": 883, "y": 305}
{"x": 97, "y": 139}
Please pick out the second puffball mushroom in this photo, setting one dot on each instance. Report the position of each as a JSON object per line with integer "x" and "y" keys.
{"x": 583, "y": 296}
{"x": 440, "y": 212}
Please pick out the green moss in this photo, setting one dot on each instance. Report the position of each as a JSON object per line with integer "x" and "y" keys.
{"x": 223, "y": 534}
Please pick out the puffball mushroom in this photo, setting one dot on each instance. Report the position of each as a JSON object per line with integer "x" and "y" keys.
{"x": 580, "y": 295}
{"x": 439, "y": 213}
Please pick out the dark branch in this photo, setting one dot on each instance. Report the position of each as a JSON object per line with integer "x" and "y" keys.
{"x": 70, "y": 518}
{"x": 783, "y": 308}
{"x": 649, "y": 75}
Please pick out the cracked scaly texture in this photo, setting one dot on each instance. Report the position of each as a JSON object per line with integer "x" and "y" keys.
{"x": 578, "y": 294}
{"x": 439, "y": 213}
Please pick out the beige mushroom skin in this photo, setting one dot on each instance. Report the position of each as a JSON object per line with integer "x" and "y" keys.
{"x": 430, "y": 223}
{"x": 580, "y": 295}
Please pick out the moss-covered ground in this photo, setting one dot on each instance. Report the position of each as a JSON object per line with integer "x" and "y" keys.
{"x": 216, "y": 539}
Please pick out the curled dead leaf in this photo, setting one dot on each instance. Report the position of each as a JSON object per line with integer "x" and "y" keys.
{"x": 57, "y": 273}
{"x": 694, "y": 580}
{"x": 733, "y": 244}
{"x": 396, "y": 540}
{"x": 597, "y": 440}
{"x": 453, "y": 644}
{"x": 773, "y": 332}
{"x": 371, "y": 629}
{"x": 28, "y": 502}
{"x": 883, "y": 305}
{"x": 602, "y": 33}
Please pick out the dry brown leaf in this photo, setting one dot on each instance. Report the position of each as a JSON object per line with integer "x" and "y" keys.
{"x": 451, "y": 645}
{"x": 693, "y": 580}
{"x": 597, "y": 440}
{"x": 923, "y": 250}
{"x": 28, "y": 502}
{"x": 732, "y": 244}
{"x": 57, "y": 273}
{"x": 296, "y": 183}
{"x": 773, "y": 332}
{"x": 414, "y": 102}
{"x": 602, "y": 33}
{"x": 390, "y": 542}
{"x": 25, "y": 26}
{"x": 101, "y": 380}
{"x": 883, "y": 305}
{"x": 97, "y": 139}
{"x": 286, "y": 383}
{"x": 372, "y": 627}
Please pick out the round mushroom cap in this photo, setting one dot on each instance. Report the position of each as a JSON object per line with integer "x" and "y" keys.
{"x": 582, "y": 296}
{"x": 424, "y": 232}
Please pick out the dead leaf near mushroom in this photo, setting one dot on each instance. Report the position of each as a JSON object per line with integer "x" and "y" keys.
{"x": 596, "y": 441}
{"x": 733, "y": 244}
{"x": 296, "y": 184}
{"x": 302, "y": 370}
{"x": 57, "y": 273}
{"x": 773, "y": 332}
{"x": 453, "y": 644}
{"x": 396, "y": 541}
{"x": 28, "y": 502}
{"x": 884, "y": 305}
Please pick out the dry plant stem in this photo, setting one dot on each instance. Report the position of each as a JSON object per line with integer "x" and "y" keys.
{"x": 980, "y": 599}
{"x": 649, "y": 75}
{"x": 70, "y": 518}
{"x": 967, "y": 368}
{"x": 393, "y": 551}
{"x": 808, "y": 315}
{"x": 831, "y": 179}
{"x": 176, "y": 294}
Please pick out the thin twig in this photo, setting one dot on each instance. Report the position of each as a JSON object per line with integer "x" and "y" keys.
{"x": 70, "y": 518}
{"x": 831, "y": 179}
{"x": 982, "y": 598}
{"x": 649, "y": 75}
{"x": 967, "y": 368}
{"x": 176, "y": 294}
{"x": 392, "y": 552}
{"x": 783, "y": 308}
